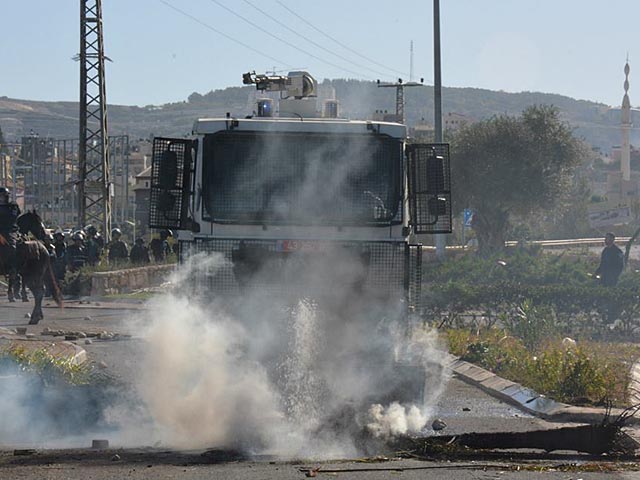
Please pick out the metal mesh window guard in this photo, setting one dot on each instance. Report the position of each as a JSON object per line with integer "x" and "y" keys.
{"x": 430, "y": 187}
{"x": 302, "y": 178}
{"x": 274, "y": 268}
{"x": 170, "y": 169}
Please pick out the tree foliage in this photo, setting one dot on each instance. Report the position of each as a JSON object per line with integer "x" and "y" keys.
{"x": 508, "y": 166}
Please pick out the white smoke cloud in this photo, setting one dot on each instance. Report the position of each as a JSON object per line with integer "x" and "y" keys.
{"x": 278, "y": 376}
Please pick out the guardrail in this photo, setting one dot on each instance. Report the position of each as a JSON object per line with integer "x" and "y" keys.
{"x": 570, "y": 242}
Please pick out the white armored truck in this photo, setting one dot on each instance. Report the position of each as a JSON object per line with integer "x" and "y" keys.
{"x": 301, "y": 203}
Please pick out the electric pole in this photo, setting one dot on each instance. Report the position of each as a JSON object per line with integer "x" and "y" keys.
{"x": 399, "y": 86}
{"x": 94, "y": 196}
{"x": 441, "y": 240}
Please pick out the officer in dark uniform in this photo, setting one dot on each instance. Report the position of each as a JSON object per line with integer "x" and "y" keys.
{"x": 9, "y": 213}
{"x": 76, "y": 254}
{"x": 93, "y": 246}
{"x": 139, "y": 253}
{"x": 118, "y": 251}
{"x": 61, "y": 251}
{"x": 160, "y": 246}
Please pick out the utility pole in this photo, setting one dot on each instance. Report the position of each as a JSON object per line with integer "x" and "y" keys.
{"x": 441, "y": 240}
{"x": 399, "y": 86}
{"x": 94, "y": 196}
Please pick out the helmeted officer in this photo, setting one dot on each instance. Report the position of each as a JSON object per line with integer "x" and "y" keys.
{"x": 76, "y": 255}
{"x": 61, "y": 251}
{"x": 118, "y": 251}
{"x": 94, "y": 245}
{"x": 160, "y": 246}
{"x": 9, "y": 213}
{"x": 139, "y": 253}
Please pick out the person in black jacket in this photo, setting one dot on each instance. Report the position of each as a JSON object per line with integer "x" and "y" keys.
{"x": 9, "y": 213}
{"x": 611, "y": 262}
{"x": 139, "y": 253}
{"x": 118, "y": 251}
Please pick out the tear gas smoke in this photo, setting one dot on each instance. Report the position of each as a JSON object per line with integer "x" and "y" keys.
{"x": 284, "y": 376}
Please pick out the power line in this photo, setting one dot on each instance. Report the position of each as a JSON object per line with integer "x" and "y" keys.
{"x": 337, "y": 41}
{"x": 322, "y": 47}
{"x": 255, "y": 25}
{"x": 229, "y": 37}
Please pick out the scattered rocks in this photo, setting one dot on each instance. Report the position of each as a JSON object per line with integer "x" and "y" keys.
{"x": 438, "y": 425}
{"x": 73, "y": 335}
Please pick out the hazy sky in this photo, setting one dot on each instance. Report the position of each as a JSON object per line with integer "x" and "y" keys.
{"x": 571, "y": 47}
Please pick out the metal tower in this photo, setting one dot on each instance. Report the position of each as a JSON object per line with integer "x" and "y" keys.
{"x": 94, "y": 200}
{"x": 400, "y": 95}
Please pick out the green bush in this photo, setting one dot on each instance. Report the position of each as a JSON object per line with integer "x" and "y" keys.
{"x": 586, "y": 374}
{"x": 533, "y": 295}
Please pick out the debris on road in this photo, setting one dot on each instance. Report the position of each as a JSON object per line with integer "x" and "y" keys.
{"x": 592, "y": 439}
{"x": 99, "y": 444}
{"x": 75, "y": 335}
{"x": 438, "y": 425}
{"x": 24, "y": 451}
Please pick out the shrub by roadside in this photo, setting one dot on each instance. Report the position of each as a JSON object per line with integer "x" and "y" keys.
{"x": 590, "y": 373}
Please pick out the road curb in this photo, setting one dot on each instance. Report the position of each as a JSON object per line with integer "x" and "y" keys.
{"x": 528, "y": 400}
{"x": 63, "y": 350}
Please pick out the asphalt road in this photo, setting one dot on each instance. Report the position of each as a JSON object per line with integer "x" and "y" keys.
{"x": 140, "y": 465}
{"x": 462, "y": 407}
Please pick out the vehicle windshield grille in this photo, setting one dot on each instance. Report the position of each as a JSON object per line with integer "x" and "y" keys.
{"x": 301, "y": 178}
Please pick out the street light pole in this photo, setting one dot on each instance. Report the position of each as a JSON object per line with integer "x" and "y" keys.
{"x": 441, "y": 240}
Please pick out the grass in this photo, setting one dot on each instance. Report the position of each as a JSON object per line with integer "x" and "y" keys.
{"x": 42, "y": 364}
{"x": 590, "y": 373}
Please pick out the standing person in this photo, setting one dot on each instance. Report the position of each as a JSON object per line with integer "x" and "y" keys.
{"x": 118, "y": 251}
{"x": 61, "y": 250}
{"x": 139, "y": 253}
{"x": 160, "y": 246}
{"x": 9, "y": 213}
{"x": 611, "y": 262}
{"x": 94, "y": 245}
{"x": 76, "y": 253}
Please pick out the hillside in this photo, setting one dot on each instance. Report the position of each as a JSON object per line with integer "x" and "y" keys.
{"x": 358, "y": 99}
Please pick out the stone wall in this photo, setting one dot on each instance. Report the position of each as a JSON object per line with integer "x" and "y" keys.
{"x": 130, "y": 279}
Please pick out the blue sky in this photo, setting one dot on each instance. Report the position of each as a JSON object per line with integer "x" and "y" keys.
{"x": 571, "y": 47}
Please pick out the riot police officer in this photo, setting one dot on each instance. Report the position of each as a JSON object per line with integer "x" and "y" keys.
{"x": 160, "y": 246}
{"x": 76, "y": 254}
{"x": 9, "y": 213}
{"x": 61, "y": 251}
{"x": 94, "y": 245}
{"x": 118, "y": 251}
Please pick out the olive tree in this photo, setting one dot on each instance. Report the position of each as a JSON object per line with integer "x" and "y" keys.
{"x": 508, "y": 166}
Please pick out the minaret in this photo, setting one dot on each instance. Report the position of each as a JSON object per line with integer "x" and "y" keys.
{"x": 625, "y": 158}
